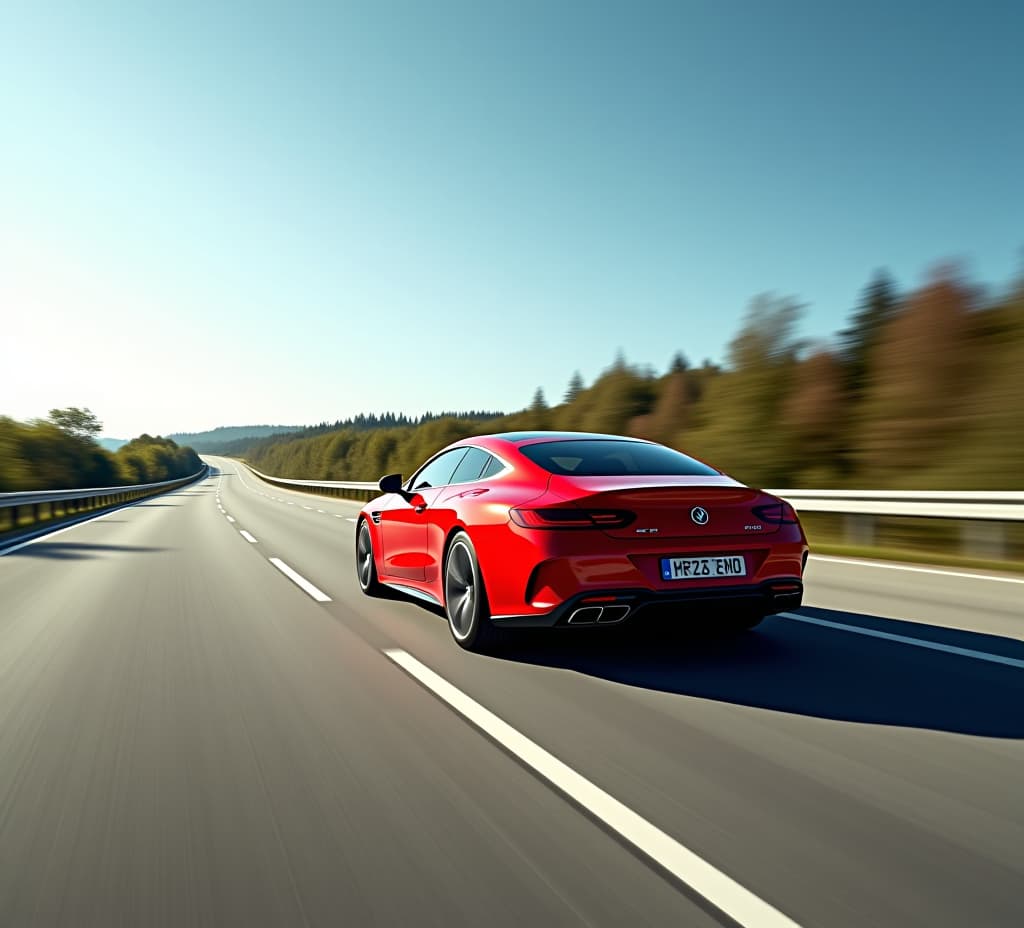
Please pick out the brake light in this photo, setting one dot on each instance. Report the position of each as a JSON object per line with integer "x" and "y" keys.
{"x": 571, "y": 518}
{"x": 780, "y": 513}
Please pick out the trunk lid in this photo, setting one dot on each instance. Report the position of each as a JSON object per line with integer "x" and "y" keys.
{"x": 667, "y": 507}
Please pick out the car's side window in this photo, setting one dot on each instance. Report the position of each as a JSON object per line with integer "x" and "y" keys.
{"x": 438, "y": 472}
{"x": 492, "y": 467}
{"x": 470, "y": 466}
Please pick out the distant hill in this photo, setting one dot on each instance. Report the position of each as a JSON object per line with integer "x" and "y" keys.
{"x": 111, "y": 444}
{"x": 214, "y": 440}
{"x": 363, "y": 424}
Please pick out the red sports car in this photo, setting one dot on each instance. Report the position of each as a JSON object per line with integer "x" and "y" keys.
{"x": 526, "y": 529}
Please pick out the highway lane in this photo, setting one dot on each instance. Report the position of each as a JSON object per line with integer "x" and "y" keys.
{"x": 844, "y": 780}
{"x": 986, "y": 603}
{"x": 843, "y": 744}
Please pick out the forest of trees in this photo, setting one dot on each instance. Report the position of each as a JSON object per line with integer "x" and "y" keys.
{"x": 61, "y": 453}
{"x": 923, "y": 389}
{"x": 360, "y": 423}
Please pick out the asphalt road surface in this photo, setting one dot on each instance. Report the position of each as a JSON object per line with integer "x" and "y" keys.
{"x": 204, "y": 722}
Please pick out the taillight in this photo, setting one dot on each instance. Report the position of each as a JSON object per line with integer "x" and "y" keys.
{"x": 779, "y": 513}
{"x": 571, "y": 518}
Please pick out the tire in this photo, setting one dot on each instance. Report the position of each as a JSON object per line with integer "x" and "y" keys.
{"x": 465, "y": 599}
{"x": 366, "y": 566}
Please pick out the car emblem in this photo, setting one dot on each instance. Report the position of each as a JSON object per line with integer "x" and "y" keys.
{"x": 699, "y": 515}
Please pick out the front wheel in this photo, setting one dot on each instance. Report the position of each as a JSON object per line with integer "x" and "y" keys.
{"x": 465, "y": 599}
{"x": 366, "y": 567}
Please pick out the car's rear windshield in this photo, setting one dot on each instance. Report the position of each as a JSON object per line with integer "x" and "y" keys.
{"x": 612, "y": 458}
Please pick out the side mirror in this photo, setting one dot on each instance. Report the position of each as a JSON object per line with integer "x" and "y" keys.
{"x": 392, "y": 483}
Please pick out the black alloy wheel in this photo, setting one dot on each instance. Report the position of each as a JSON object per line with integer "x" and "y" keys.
{"x": 465, "y": 599}
{"x": 366, "y": 568}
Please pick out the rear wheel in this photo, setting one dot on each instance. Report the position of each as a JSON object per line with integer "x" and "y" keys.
{"x": 465, "y": 599}
{"x": 366, "y": 568}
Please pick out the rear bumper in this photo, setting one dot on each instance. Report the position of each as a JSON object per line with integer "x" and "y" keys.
{"x": 770, "y": 596}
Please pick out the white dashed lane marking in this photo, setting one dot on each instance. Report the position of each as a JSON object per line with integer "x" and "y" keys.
{"x": 319, "y": 595}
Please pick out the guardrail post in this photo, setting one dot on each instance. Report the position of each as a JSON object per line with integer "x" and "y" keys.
{"x": 859, "y": 528}
{"x": 983, "y": 539}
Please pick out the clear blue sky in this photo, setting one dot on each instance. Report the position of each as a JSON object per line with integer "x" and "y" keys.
{"x": 231, "y": 213}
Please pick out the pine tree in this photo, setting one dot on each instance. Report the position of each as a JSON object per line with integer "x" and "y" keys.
{"x": 878, "y": 305}
{"x": 679, "y": 364}
{"x": 574, "y": 389}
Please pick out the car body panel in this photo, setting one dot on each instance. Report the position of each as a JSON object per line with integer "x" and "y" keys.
{"x": 403, "y": 533}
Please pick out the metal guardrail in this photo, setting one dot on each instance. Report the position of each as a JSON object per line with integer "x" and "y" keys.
{"x": 24, "y": 508}
{"x": 362, "y": 486}
{"x": 930, "y": 504}
{"x": 363, "y": 490}
{"x": 982, "y": 514}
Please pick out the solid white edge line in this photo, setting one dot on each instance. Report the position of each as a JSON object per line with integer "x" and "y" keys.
{"x": 319, "y": 595}
{"x": 247, "y": 536}
{"x": 46, "y": 534}
{"x": 720, "y": 890}
{"x": 919, "y": 570}
{"x": 904, "y": 639}
{"x": 230, "y": 519}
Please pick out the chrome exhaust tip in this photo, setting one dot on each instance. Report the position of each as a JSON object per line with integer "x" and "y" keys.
{"x": 613, "y": 614}
{"x": 588, "y": 615}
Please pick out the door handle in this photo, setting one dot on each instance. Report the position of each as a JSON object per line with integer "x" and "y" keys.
{"x": 420, "y": 508}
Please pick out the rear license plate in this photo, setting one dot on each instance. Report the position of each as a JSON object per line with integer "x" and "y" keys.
{"x": 703, "y": 568}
